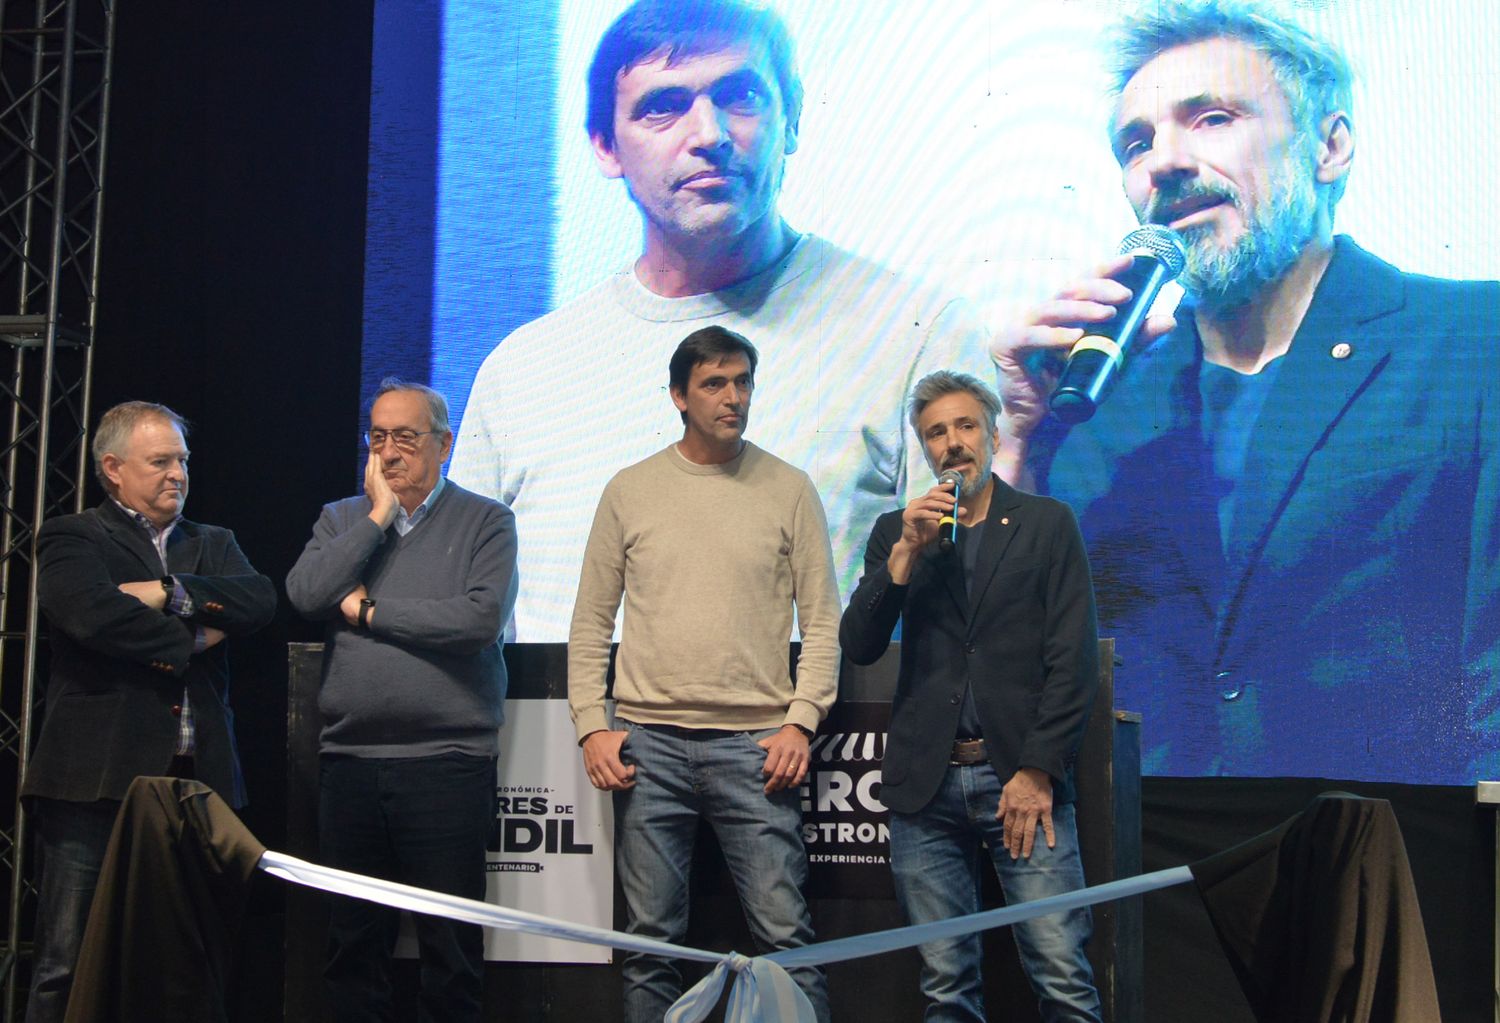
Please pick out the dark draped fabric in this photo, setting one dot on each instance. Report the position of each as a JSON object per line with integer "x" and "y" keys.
{"x": 170, "y": 900}
{"x": 1319, "y": 918}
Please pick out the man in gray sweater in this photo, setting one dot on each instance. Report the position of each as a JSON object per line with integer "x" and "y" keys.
{"x": 711, "y": 542}
{"x": 415, "y": 579}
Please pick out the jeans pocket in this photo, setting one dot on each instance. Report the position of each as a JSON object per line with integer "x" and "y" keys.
{"x": 758, "y": 752}
{"x": 756, "y": 738}
{"x": 621, "y": 725}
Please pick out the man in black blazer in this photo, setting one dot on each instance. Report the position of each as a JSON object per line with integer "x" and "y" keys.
{"x": 139, "y": 601}
{"x": 999, "y": 653}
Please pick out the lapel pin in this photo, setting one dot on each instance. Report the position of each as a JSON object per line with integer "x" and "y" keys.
{"x": 1004, "y": 521}
{"x": 1342, "y": 350}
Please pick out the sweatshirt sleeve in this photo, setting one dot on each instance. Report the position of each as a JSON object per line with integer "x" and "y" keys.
{"x": 600, "y": 587}
{"x": 332, "y": 563}
{"x": 816, "y": 594}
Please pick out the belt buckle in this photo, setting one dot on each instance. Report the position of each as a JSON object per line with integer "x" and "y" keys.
{"x": 966, "y": 752}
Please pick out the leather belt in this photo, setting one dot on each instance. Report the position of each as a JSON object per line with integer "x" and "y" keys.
{"x": 968, "y": 751}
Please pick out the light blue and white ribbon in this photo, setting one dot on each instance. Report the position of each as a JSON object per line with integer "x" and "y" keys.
{"x": 762, "y": 991}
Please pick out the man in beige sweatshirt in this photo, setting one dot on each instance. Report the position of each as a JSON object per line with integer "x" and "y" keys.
{"x": 713, "y": 544}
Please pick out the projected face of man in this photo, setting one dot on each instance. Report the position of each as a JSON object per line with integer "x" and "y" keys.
{"x": 701, "y": 141}
{"x": 1208, "y": 146}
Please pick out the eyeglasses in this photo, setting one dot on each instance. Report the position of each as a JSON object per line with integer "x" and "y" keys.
{"x": 406, "y": 440}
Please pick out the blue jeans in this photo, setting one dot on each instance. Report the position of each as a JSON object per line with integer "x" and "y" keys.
{"x": 935, "y": 857}
{"x": 423, "y": 821}
{"x": 71, "y": 841}
{"x": 679, "y": 778}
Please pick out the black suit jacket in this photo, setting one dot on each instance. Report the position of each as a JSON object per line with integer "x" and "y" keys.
{"x": 1028, "y": 644}
{"x": 119, "y": 668}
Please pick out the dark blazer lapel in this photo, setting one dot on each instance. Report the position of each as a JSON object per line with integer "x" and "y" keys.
{"x": 129, "y": 535}
{"x": 1312, "y": 391}
{"x": 1000, "y": 524}
{"x": 183, "y": 547}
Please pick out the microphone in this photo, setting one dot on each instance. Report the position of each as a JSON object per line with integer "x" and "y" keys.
{"x": 948, "y": 524}
{"x": 1096, "y": 357}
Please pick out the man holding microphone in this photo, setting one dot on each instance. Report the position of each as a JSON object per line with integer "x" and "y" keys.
{"x": 999, "y": 665}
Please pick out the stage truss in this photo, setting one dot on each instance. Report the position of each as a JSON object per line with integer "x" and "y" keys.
{"x": 54, "y": 106}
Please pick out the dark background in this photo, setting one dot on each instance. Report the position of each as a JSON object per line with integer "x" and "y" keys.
{"x": 233, "y": 248}
{"x": 231, "y": 286}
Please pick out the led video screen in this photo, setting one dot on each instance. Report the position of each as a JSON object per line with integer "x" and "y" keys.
{"x": 1325, "y": 604}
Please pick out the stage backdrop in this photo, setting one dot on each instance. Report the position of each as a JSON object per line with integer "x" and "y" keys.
{"x": 963, "y": 144}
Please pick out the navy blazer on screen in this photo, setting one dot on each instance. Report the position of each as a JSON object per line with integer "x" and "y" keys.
{"x": 1351, "y": 629}
{"x": 118, "y": 668}
{"x": 1027, "y": 644}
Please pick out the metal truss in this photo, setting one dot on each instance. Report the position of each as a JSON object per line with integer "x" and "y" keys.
{"x": 54, "y": 106}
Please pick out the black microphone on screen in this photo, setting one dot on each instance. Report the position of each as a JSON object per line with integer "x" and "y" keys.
{"x": 948, "y": 524}
{"x": 1096, "y": 357}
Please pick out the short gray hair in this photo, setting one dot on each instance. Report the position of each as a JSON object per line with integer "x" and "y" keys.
{"x": 944, "y": 382}
{"x": 1312, "y": 72}
{"x": 437, "y": 405}
{"x": 116, "y": 426}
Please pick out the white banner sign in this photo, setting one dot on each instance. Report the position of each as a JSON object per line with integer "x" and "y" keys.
{"x": 552, "y": 851}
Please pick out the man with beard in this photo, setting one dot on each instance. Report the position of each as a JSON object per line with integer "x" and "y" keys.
{"x": 1290, "y": 498}
{"x": 695, "y": 106}
{"x": 999, "y": 667}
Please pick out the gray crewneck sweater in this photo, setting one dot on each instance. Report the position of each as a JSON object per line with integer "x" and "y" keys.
{"x": 427, "y": 677}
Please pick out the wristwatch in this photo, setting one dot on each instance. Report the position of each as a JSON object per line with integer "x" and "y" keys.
{"x": 169, "y": 586}
{"x": 366, "y": 605}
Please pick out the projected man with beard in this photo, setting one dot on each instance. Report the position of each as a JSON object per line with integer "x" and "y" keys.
{"x": 1289, "y": 499}
{"x": 695, "y": 106}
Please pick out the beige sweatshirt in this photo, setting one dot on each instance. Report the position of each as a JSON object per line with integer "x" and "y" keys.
{"x": 710, "y": 560}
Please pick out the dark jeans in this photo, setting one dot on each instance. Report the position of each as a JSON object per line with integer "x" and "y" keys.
{"x": 422, "y": 821}
{"x": 935, "y": 859}
{"x": 679, "y": 779}
{"x": 71, "y": 840}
